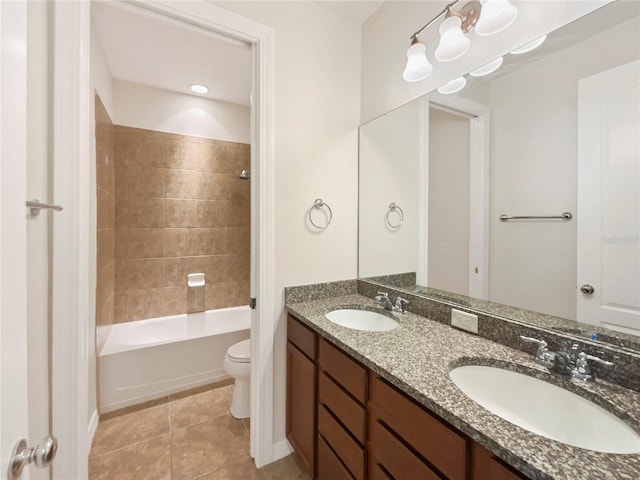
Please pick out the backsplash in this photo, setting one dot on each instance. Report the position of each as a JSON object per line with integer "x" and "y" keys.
{"x": 625, "y": 372}
{"x": 180, "y": 208}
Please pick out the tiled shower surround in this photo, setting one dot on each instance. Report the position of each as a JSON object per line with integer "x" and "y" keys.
{"x": 180, "y": 208}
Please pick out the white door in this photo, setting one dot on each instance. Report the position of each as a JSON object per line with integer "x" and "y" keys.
{"x": 609, "y": 199}
{"x": 24, "y": 259}
{"x": 13, "y": 301}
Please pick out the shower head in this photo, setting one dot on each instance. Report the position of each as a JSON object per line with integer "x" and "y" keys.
{"x": 244, "y": 175}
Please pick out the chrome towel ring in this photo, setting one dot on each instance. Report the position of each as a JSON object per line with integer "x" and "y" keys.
{"x": 393, "y": 207}
{"x": 319, "y": 204}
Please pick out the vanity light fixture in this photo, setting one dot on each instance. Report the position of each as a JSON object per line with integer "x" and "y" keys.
{"x": 453, "y": 42}
{"x": 453, "y": 86}
{"x": 488, "y": 68}
{"x": 195, "y": 88}
{"x": 527, "y": 47}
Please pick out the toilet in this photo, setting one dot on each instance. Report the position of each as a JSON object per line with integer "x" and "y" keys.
{"x": 237, "y": 363}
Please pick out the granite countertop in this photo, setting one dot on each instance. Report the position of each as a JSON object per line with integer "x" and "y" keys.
{"x": 417, "y": 356}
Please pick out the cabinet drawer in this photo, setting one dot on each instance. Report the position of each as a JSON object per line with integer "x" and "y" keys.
{"x": 487, "y": 467}
{"x": 379, "y": 474}
{"x": 397, "y": 459}
{"x": 329, "y": 466}
{"x": 435, "y": 441}
{"x": 301, "y": 336}
{"x": 345, "y": 408}
{"x": 344, "y": 370}
{"x": 345, "y": 447}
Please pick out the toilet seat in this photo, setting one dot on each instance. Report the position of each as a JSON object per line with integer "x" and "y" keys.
{"x": 240, "y": 352}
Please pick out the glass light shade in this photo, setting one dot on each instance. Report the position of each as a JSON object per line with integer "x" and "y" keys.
{"x": 453, "y": 86}
{"x": 453, "y": 44}
{"x": 495, "y": 16}
{"x": 418, "y": 66}
{"x": 527, "y": 47}
{"x": 490, "y": 67}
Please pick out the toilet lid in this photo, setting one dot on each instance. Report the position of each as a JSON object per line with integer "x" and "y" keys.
{"x": 241, "y": 351}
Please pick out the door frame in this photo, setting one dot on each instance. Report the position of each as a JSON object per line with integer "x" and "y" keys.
{"x": 74, "y": 242}
{"x": 479, "y": 179}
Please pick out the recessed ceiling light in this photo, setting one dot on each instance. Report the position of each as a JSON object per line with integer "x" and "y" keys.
{"x": 453, "y": 86}
{"x": 527, "y": 47}
{"x": 487, "y": 69}
{"x": 198, "y": 88}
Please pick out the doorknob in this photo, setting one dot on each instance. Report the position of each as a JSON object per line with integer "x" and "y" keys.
{"x": 41, "y": 456}
{"x": 587, "y": 289}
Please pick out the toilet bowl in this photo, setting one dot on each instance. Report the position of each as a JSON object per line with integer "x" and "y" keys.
{"x": 237, "y": 363}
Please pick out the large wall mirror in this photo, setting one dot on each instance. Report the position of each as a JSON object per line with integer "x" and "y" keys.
{"x": 553, "y": 133}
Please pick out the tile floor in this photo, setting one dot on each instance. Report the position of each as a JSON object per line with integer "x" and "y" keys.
{"x": 181, "y": 437}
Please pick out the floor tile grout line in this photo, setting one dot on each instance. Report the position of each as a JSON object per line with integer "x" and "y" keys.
{"x": 128, "y": 445}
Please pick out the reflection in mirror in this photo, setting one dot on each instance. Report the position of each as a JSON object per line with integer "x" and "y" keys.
{"x": 552, "y": 130}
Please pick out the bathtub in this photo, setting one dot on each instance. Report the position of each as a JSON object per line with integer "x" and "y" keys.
{"x": 149, "y": 359}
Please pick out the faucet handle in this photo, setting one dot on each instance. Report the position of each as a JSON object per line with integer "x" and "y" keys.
{"x": 401, "y": 303}
{"x": 383, "y": 295}
{"x": 541, "y": 343}
{"x": 583, "y": 357}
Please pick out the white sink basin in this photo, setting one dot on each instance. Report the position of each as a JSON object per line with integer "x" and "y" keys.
{"x": 362, "y": 320}
{"x": 546, "y": 409}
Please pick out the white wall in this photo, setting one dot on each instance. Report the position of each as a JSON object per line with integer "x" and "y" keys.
{"x": 386, "y": 34}
{"x": 317, "y": 85}
{"x": 448, "y": 219}
{"x": 533, "y": 171}
{"x": 141, "y": 106}
{"x": 389, "y": 172}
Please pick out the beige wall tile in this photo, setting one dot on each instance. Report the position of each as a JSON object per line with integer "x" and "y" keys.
{"x": 120, "y": 303}
{"x": 138, "y": 147}
{"x": 180, "y": 213}
{"x": 237, "y": 190}
{"x": 180, "y": 153}
{"x": 174, "y": 300}
{"x": 105, "y": 247}
{"x": 121, "y": 187}
{"x": 211, "y": 158}
{"x": 105, "y": 314}
{"x": 145, "y": 212}
{"x": 105, "y": 209}
{"x": 187, "y": 242}
{"x": 195, "y": 299}
{"x": 238, "y": 267}
{"x": 145, "y": 181}
{"x": 226, "y": 294}
{"x": 237, "y": 159}
{"x": 145, "y": 242}
{"x": 143, "y": 304}
{"x": 122, "y": 211}
{"x": 122, "y": 242}
{"x": 211, "y": 213}
{"x": 212, "y": 186}
{"x": 238, "y": 214}
{"x": 238, "y": 240}
{"x": 180, "y": 183}
{"x": 121, "y": 275}
{"x": 144, "y": 274}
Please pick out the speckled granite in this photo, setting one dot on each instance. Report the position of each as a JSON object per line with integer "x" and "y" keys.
{"x": 417, "y": 357}
{"x": 317, "y": 291}
{"x": 549, "y": 322}
{"x": 507, "y": 331}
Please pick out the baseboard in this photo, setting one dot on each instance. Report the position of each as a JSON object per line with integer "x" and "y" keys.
{"x": 93, "y": 426}
{"x": 281, "y": 449}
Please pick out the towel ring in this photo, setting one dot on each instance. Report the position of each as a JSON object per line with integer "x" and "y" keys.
{"x": 392, "y": 208}
{"x": 319, "y": 204}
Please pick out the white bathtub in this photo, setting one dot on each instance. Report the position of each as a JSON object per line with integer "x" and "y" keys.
{"x": 149, "y": 359}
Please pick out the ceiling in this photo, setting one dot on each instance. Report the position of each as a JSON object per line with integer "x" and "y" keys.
{"x": 149, "y": 49}
{"x": 143, "y": 47}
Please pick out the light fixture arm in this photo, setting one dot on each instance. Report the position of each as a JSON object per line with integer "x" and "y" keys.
{"x": 468, "y": 15}
{"x": 445, "y": 11}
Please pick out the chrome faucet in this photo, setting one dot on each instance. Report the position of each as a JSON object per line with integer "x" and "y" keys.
{"x": 383, "y": 299}
{"x": 571, "y": 363}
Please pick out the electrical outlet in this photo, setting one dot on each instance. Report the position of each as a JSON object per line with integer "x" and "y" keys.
{"x": 465, "y": 321}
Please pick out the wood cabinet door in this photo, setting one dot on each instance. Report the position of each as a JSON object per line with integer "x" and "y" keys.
{"x": 301, "y": 406}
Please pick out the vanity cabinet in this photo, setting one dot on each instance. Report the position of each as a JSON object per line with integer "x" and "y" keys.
{"x": 346, "y": 423}
{"x": 301, "y": 392}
